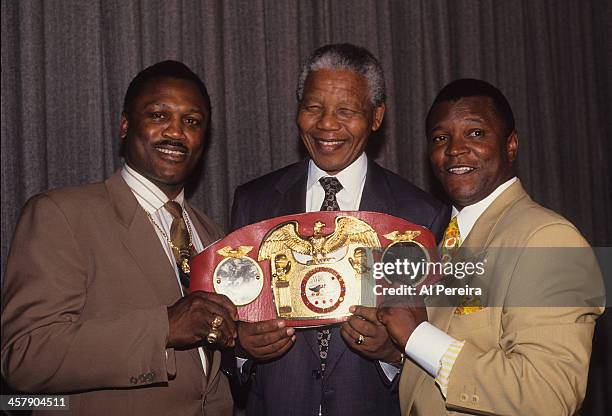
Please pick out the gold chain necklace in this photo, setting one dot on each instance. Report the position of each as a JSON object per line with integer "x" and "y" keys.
{"x": 184, "y": 261}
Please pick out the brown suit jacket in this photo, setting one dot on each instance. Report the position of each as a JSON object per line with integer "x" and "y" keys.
{"x": 84, "y": 308}
{"x": 519, "y": 358}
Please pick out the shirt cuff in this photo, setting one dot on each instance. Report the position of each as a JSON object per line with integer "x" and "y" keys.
{"x": 427, "y": 345}
{"x": 448, "y": 361}
{"x": 170, "y": 363}
{"x": 389, "y": 369}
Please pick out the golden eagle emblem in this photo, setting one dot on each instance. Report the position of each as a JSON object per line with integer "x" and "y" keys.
{"x": 348, "y": 230}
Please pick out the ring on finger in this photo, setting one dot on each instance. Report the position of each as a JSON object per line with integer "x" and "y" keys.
{"x": 213, "y": 336}
{"x": 359, "y": 340}
{"x": 216, "y": 322}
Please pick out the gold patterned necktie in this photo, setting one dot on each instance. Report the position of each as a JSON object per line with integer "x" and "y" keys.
{"x": 450, "y": 245}
{"x": 181, "y": 244}
{"x": 451, "y": 240}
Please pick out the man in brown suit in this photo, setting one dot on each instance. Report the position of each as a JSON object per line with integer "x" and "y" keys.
{"x": 523, "y": 347}
{"x": 93, "y": 304}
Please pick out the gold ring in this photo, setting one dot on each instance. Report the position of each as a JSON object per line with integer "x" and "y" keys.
{"x": 216, "y": 322}
{"x": 359, "y": 340}
{"x": 212, "y": 336}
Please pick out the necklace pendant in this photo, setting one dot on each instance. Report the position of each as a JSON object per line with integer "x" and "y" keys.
{"x": 185, "y": 266}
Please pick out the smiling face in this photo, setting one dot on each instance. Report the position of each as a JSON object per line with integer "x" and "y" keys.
{"x": 468, "y": 150}
{"x": 164, "y": 132}
{"x": 336, "y": 117}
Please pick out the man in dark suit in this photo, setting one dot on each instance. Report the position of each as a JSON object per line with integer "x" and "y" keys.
{"x": 92, "y": 303}
{"x": 333, "y": 370}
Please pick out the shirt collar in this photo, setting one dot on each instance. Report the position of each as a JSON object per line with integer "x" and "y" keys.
{"x": 468, "y": 216}
{"x": 150, "y": 197}
{"x": 351, "y": 177}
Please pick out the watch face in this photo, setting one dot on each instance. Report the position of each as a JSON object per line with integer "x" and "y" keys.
{"x": 322, "y": 290}
{"x": 240, "y": 279}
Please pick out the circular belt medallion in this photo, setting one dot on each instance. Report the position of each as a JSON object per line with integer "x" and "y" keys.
{"x": 410, "y": 252}
{"x": 240, "y": 279}
{"x": 322, "y": 289}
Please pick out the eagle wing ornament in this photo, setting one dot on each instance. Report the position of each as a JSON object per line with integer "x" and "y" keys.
{"x": 238, "y": 252}
{"x": 350, "y": 230}
{"x": 284, "y": 237}
{"x": 402, "y": 237}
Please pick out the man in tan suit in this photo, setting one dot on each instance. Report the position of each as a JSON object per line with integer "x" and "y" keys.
{"x": 93, "y": 304}
{"x": 499, "y": 353}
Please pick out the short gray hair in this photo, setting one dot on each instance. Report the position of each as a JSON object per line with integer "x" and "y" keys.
{"x": 353, "y": 58}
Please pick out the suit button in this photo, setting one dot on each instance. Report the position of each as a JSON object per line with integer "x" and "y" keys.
{"x": 329, "y": 392}
{"x": 463, "y": 397}
{"x": 475, "y": 398}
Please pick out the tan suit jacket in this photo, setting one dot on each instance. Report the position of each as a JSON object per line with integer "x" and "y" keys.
{"x": 84, "y": 308}
{"x": 525, "y": 360}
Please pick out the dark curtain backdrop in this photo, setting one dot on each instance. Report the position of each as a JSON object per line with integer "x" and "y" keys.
{"x": 66, "y": 65}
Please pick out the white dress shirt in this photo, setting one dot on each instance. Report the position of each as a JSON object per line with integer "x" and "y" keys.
{"x": 352, "y": 179}
{"x": 152, "y": 200}
{"x": 427, "y": 344}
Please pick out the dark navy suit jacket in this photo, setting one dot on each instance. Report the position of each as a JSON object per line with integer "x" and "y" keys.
{"x": 351, "y": 384}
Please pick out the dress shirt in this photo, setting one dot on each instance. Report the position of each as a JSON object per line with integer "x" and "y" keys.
{"x": 428, "y": 345}
{"x": 352, "y": 179}
{"x": 152, "y": 200}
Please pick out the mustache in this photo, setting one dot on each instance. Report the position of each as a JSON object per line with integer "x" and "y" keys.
{"x": 173, "y": 143}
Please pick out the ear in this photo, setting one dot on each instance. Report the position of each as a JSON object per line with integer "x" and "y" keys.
{"x": 123, "y": 126}
{"x": 512, "y": 146}
{"x": 379, "y": 114}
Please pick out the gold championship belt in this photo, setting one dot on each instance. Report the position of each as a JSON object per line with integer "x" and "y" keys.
{"x": 307, "y": 268}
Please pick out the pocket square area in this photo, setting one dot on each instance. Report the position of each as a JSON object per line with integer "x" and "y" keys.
{"x": 468, "y": 305}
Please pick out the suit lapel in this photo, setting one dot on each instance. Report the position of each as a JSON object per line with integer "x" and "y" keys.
{"x": 439, "y": 309}
{"x": 376, "y": 195}
{"x": 198, "y": 223}
{"x": 214, "y": 369}
{"x": 483, "y": 228}
{"x": 292, "y": 190}
{"x": 142, "y": 242}
{"x": 310, "y": 337}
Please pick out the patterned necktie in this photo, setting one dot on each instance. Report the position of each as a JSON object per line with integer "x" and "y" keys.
{"x": 182, "y": 247}
{"x": 331, "y": 186}
{"x": 451, "y": 240}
